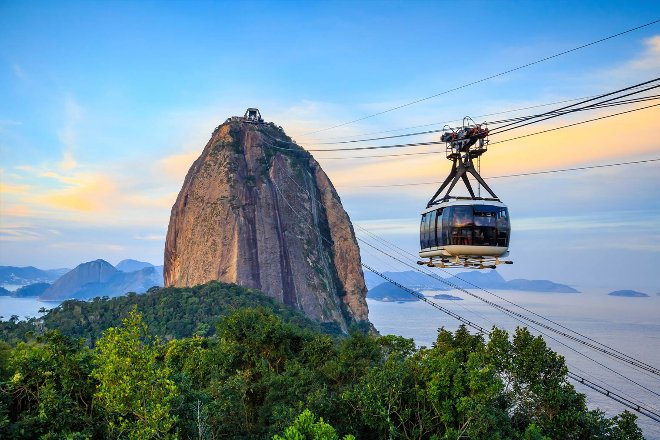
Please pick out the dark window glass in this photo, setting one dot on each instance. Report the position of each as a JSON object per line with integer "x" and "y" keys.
{"x": 438, "y": 228}
{"x": 485, "y": 222}
{"x": 503, "y": 227}
{"x": 431, "y": 235}
{"x": 446, "y": 225}
{"x": 478, "y": 225}
{"x": 462, "y": 220}
{"x": 485, "y": 216}
{"x": 462, "y": 216}
{"x": 422, "y": 241}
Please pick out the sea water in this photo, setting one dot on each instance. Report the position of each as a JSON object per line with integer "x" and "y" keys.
{"x": 629, "y": 325}
{"x": 24, "y": 308}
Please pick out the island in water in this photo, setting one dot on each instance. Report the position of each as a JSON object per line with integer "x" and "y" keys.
{"x": 629, "y": 294}
{"x": 388, "y": 292}
{"x": 447, "y": 297}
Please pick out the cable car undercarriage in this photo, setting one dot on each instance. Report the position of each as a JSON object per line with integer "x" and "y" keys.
{"x": 470, "y": 232}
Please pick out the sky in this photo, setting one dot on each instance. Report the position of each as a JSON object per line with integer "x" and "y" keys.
{"x": 105, "y": 105}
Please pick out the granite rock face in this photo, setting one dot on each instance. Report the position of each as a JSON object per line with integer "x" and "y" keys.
{"x": 257, "y": 210}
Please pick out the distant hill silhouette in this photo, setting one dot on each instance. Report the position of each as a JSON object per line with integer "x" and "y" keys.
{"x": 447, "y": 297}
{"x": 629, "y": 294}
{"x": 35, "y": 289}
{"x": 130, "y": 265}
{"x": 100, "y": 278}
{"x": 24, "y": 276}
{"x": 490, "y": 279}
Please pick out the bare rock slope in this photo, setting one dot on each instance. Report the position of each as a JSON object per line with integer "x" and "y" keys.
{"x": 257, "y": 210}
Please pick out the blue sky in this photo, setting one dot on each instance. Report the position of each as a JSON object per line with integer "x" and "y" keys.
{"x": 106, "y": 104}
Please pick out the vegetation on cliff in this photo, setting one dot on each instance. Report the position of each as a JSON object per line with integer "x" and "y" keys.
{"x": 260, "y": 376}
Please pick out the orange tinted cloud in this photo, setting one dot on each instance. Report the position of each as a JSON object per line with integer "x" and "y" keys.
{"x": 177, "y": 165}
{"x": 87, "y": 193}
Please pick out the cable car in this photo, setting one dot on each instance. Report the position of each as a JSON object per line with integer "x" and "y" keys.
{"x": 464, "y": 231}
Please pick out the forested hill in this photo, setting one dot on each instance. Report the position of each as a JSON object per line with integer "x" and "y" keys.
{"x": 170, "y": 313}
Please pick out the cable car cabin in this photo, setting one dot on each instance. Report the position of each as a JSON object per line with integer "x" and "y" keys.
{"x": 465, "y": 232}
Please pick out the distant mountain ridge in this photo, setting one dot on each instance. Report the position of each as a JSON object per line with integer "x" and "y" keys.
{"x": 100, "y": 278}
{"x": 130, "y": 265}
{"x": 35, "y": 289}
{"x": 467, "y": 280}
{"x": 23, "y": 276}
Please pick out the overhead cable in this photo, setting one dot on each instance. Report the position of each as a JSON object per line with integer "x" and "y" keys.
{"x": 547, "y": 115}
{"x": 574, "y": 107}
{"x": 513, "y": 121}
{"x": 562, "y": 170}
{"x": 449, "y": 122}
{"x": 491, "y": 143}
{"x": 488, "y": 77}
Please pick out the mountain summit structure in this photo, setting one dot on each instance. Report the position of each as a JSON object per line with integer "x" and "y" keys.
{"x": 257, "y": 210}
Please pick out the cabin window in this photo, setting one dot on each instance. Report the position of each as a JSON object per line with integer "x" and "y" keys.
{"x": 485, "y": 225}
{"x": 503, "y": 227}
{"x": 424, "y": 231}
{"x": 476, "y": 225}
{"x": 462, "y": 220}
{"x": 431, "y": 238}
{"x": 438, "y": 228}
{"x": 446, "y": 226}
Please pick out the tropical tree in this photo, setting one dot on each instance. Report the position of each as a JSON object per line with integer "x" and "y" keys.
{"x": 306, "y": 427}
{"x": 134, "y": 387}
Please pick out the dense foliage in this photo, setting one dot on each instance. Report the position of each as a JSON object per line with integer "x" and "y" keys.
{"x": 168, "y": 312}
{"x": 261, "y": 377}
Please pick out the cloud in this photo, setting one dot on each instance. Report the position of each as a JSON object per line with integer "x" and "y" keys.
{"x": 19, "y": 72}
{"x": 9, "y": 188}
{"x": 648, "y": 61}
{"x": 10, "y": 211}
{"x": 632, "y": 220}
{"x": 68, "y": 135}
{"x": 390, "y": 226}
{"x": 150, "y": 237}
{"x": 86, "y": 192}
{"x": 108, "y": 247}
{"x": 17, "y": 233}
{"x": 5, "y": 123}
{"x": 175, "y": 166}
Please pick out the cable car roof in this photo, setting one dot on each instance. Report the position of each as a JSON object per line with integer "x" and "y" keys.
{"x": 464, "y": 201}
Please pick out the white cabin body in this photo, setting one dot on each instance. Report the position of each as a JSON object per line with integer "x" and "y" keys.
{"x": 465, "y": 227}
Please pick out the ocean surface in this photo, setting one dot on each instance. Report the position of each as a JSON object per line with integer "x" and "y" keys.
{"x": 630, "y": 325}
{"x": 24, "y": 308}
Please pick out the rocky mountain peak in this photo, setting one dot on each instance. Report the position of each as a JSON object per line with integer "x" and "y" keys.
{"x": 257, "y": 210}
